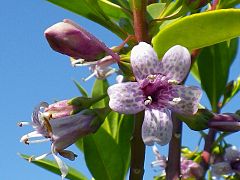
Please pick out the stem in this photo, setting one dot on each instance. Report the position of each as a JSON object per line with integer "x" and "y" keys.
{"x": 214, "y": 4}
{"x": 209, "y": 140}
{"x": 137, "y": 149}
{"x": 137, "y": 145}
{"x": 173, "y": 171}
{"x": 139, "y": 20}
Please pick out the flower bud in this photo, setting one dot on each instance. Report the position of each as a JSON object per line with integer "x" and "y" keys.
{"x": 196, "y": 4}
{"x": 69, "y": 38}
{"x": 228, "y": 122}
{"x": 59, "y": 109}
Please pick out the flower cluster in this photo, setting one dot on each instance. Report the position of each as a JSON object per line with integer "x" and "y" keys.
{"x": 156, "y": 91}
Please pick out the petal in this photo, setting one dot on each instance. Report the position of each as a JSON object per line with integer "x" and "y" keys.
{"x": 126, "y": 98}
{"x": 176, "y": 63}
{"x": 184, "y": 99}
{"x": 62, "y": 166}
{"x": 144, "y": 61}
{"x": 221, "y": 168}
{"x": 231, "y": 153}
{"x": 157, "y": 127}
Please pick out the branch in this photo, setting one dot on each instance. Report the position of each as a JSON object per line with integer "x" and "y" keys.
{"x": 173, "y": 171}
{"x": 139, "y": 20}
{"x": 137, "y": 149}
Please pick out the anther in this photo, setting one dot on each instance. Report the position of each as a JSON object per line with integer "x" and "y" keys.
{"x": 148, "y": 101}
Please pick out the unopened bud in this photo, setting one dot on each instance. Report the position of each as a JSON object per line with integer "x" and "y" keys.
{"x": 228, "y": 122}
{"x": 69, "y": 38}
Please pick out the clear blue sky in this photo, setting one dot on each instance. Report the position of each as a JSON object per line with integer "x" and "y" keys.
{"x": 31, "y": 72}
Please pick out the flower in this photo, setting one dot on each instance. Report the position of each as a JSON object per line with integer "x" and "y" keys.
{"x": 85, "y": 49}
{"x": 156, "y": 91}
{"x": 189, "y": 168}
{"x": 62, "y": 130}
{"x": 69, "y": 38}
{"x": 231, "y": 163}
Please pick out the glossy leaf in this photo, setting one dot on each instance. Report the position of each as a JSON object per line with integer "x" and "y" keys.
{"x": 228, "y": 3}
{"x": 199, "y": 30}
{"x": 81, "y": 89}
{"x": 196, "y": 122}
{"x": 79, "y": 144}
{"x": 100, "y": 88}
{"x": 91, "y": 10}
{"x": 125, "y": 130}
{"x": 213, "y": 65}
{"x": 195, "y": 72}
{"x": 103, "y": 156}
{"x": 52, "y": 166}
{"x": 155, "y": 9}
{"x": 113, "y": 10}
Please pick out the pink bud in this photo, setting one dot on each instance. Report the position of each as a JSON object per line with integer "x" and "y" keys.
{"x": 228, "y": 122}
{"x": 69, "y": 38}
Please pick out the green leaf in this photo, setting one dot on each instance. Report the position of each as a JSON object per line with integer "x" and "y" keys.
{"x": 195, "y": 72}
{"x": 113, "y": 10}
{"x": 199, "y": 30}
{"x": 231, "y": 90}
{"x": 100, "y": 88}
{"x": 79, "y": 144}
{"x": 103, "y": 156}
{"x": 213, "y": 65}
{"x": 198, "y": 121}
{"x": 81, "y": 89}
{"x": 113, "y": 120}
{"x": 228, "y": 4}
{"x": 155, "y": 9}
{"x": 124, "y": 137}
{"x": 90, "y": 9}
{"x": 52, "y": 166}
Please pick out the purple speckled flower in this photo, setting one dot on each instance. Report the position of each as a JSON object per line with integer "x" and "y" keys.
{"x": 62, "y": 130}
{"x": 156, "y": 91}
{"x": 230, "y": 165}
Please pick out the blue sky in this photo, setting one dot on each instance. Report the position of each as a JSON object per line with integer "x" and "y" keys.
{"x": 31, "y": 72}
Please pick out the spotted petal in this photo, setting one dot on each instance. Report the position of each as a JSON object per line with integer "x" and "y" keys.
{"x": 144, "y": 61}
{"x": 126, "y": 98}
{"x": 184, "y": 99}
{"x": 231, "y": 153}
{"x": 176, "y": 63}
{"x": 221, "y": 168}
{"x": 157, "y": 127}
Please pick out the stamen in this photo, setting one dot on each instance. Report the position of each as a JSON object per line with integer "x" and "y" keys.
{"x": 21, "y": 124}
{"x": 151, "y": 78}
{"x": 172, "y": 81}
{"x": 81, "y": 63}
{"x": 37, "y": 141}
{"x": 177, "y": 100}
{"x": 41, "y": 157}
{"x": 30, "y": 135}
{"x": 148, "y": 101}
{"x": 89, "y": 77}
